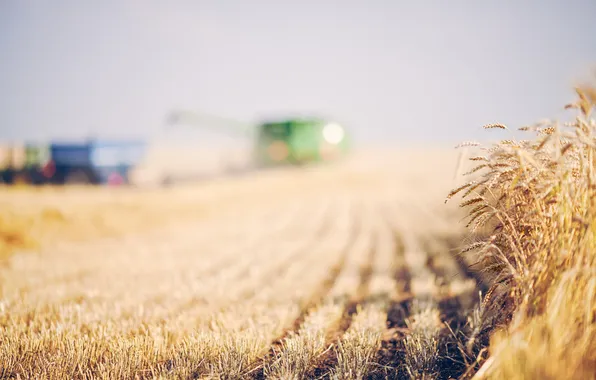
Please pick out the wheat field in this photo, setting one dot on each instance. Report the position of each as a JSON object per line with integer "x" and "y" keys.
{"x": 284, "y": 274}
{"x": 356, "y": 270}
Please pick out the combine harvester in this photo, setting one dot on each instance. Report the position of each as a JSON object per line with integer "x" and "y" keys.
{"x": 92, "y": 162}
{"x": 292, "y": 141}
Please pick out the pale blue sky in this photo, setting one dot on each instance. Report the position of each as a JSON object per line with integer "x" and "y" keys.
{"x": 390, "y": 70}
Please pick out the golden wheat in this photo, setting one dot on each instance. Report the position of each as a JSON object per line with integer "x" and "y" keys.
{"x": 535, "y": 205}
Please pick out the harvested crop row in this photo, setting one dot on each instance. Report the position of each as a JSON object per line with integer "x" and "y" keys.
{"x": 417, "y": 347}
{"x": 387, "y": 358}
{"x": 131, "y": 307}
{"x": 425, "y": 348}
{"x": 266, "y": 314}
{"x": 52, "y": 273}
{"x": 107, "y": 268}
{"x": 457, "y": 299}
{"x": 357, "y": 349}
{"x": 326, "y": 324}
{"x": 249, "y": 278}
{"x": 349, "y": 291}
{"x": 292, "y": 354}
{"x": 110, "y": 325}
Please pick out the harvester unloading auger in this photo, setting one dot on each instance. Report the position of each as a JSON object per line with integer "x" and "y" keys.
{"x": 293, "y": 141}
{"x": 211, "y": 121}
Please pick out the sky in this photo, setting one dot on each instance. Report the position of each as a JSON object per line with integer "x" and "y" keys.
{"x": 389, "y": 71}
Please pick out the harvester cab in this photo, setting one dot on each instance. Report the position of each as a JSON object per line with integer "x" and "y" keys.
{"x": 299, "y": 141}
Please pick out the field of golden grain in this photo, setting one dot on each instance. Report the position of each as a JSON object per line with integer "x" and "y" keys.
{"x": 533, "y": 202}
{"x": 353, "y": 270}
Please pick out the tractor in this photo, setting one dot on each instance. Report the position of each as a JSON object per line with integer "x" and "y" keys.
{"x": 24, "y": 163}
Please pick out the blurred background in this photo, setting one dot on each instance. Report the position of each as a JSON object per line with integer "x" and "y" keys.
{"x": 391, "y": 73}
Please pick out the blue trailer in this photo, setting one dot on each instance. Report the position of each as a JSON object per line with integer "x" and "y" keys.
{"x": 94, "y": 162}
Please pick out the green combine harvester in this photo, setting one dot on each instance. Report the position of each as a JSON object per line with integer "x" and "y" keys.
{"x": 293, "y": 141}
